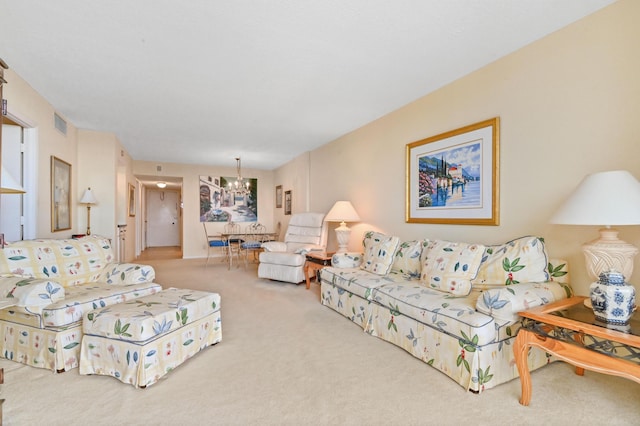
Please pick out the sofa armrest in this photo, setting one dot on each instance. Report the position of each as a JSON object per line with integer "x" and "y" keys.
{"x": 127, "y": 273}
{"x": 504, "y": 303}
{"x": 347, "y": 260}
{"x": 30, "y": 292}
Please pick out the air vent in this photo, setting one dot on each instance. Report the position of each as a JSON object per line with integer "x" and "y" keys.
{"x": 158, "y": 168}
{"x": 60, "y": 123}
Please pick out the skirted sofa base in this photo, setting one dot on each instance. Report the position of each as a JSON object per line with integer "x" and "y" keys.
{"x": 140, "y": 341}
{"x": 469, "y": 337}
{"x": 474, "y": 367}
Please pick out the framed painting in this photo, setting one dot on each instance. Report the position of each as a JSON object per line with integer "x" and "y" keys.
{"x": 452, "y": 178}
{"x": 60, "y": 195}
{"x": 279, "y": 196}
{"x": 132, "y": 200}
{"x": 222, "y": 200}
{"x": 287, "y": 202}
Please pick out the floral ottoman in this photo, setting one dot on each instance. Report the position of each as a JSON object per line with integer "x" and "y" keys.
{"x": 140, "y": 341}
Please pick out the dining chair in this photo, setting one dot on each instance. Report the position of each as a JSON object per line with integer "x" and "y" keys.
{"x": 214, "y": 240}
{"x": 234, "y": 236}
{"x": 255, "y": 235}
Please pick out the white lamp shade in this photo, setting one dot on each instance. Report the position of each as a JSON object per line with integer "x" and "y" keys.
{"x": 88, "y": 197}
{"x": 342, "y": 211}
{"x": 161, "y": 185}
{"x": 602, "y": 199}
{"x": 9, "y": 184}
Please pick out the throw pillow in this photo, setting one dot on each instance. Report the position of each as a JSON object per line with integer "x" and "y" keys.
{"x": 407, "y": 259}
{"x": 378, "y": 252}
{"x": 450, "y": 266}
{"x": 518, "y": 261}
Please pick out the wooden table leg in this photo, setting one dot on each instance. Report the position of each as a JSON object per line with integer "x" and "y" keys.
{"x": 306, "y": 275}
{"x": 520, "y": 351}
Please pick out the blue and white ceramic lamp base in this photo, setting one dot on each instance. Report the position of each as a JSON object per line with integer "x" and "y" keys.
{"x": 613, "y": 300}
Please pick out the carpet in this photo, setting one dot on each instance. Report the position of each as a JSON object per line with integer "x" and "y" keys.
{"x": 285, "y": 359}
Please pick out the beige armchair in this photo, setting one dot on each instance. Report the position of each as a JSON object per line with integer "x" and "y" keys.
{"x": 284, "y": 260}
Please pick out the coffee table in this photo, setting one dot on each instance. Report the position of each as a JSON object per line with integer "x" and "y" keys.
{"x": 569, "y": 330}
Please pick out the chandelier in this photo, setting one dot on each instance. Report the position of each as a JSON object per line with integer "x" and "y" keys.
{"x": 240, "y": 186}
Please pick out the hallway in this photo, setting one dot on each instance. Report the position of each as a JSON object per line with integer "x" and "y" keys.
{"x": 160, "y": 253}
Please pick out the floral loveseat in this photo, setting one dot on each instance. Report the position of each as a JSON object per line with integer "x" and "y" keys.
{"x": 49, "y": 284}
{"x": 453, "y": 305}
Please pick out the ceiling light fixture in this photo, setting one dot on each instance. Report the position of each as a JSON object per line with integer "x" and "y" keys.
{"x": 161, "y": 185}
{"x": 240, "y": 186}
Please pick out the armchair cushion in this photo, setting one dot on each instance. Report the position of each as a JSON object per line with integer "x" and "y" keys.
{"x": 282, "y": 258}
{"x": 274, "y": 246}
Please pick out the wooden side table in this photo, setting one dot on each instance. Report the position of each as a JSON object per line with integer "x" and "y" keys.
{"x": 568, "y": 329}
{"x": 315, "y": 261}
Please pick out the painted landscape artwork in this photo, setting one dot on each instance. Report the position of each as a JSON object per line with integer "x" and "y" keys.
{"x": 451, "y": 178}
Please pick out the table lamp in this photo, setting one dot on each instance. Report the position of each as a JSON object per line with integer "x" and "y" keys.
{"x": 88, "y": 198}
{"x": 605, "y": 199}
{"x": 342, "y": 211}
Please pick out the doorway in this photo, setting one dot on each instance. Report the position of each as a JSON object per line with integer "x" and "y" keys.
{"x": 163, "y": 218}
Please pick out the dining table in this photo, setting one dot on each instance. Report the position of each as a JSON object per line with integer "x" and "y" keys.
{"x": 238, "y": 238}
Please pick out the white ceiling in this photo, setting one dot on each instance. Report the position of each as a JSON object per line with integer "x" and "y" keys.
{"x": 205, "y": 81}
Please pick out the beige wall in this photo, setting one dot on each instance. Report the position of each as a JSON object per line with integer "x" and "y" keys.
{"x": 569, "y": 105}
{"x": 29, "y": 108}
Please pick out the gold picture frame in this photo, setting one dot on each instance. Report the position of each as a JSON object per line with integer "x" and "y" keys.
{"x": 453, "y": 178}
{"x": 287, "y": 202}
{"x": 60, "y": 195}
{"x": 132, "y": 200}
{"x": 279, "y": 196}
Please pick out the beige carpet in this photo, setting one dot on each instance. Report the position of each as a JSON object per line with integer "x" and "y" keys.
{"x": 285, "y": 359}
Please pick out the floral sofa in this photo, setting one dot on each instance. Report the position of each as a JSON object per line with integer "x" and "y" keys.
{"x": 47, "y": 285}
{"x": 451, "y": 304}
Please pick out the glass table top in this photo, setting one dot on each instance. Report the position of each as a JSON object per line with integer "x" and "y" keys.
{"x": 582, "y": 313}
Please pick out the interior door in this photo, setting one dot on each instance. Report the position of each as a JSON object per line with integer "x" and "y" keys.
{"x": 163, "y": 220}
{"x": 11, "y": 215}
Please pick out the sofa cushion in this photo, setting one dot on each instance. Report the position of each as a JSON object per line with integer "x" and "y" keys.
{"x": 504, "y": 303}
{"x": 450, "y": 266}
{"x": 407, "y": 258}
{"x": 357, "y": 281}
{"x": 517, "y": 261}
{"x": 379, "y": 250}
{"x": 346, "y": 260}
{"x": 69, "y": 262}
{"x": 30, "y": 292}
{"x": 83, "y": 298}
{"x": 453, "y": 315}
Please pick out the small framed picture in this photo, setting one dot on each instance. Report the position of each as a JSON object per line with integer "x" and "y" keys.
{"x": 279, "y": 196}
{"x": 132, "y": 200}
{"x": 60, "y": 195}
{"x": 287, "y": 202}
